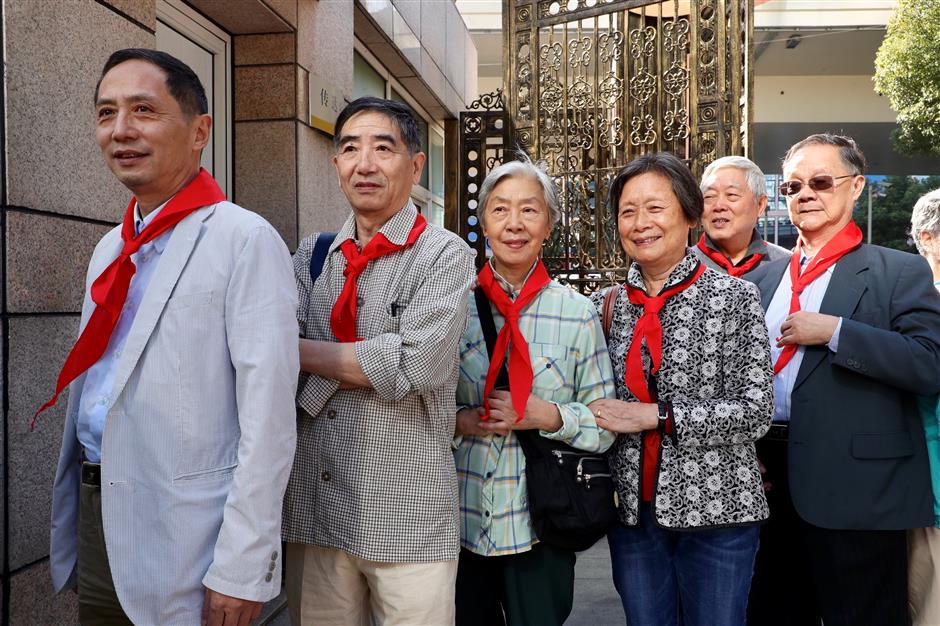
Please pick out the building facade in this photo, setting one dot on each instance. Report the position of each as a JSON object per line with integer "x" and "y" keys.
{"x": 276, "y": 73}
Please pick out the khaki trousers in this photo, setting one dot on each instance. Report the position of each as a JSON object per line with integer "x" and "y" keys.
{"x": 924, "y": 575}
{"x": 97, "y": 601}
{"x": 326, "y": 586}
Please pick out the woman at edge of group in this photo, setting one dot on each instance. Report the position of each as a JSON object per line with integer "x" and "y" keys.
{"x": 924, "y": 543}
{"x": 692, "y": 401}
{"x": 503, "y": 572}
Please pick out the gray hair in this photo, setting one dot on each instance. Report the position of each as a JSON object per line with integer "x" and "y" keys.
{"x": 851, "y": 155}
{"x": 926, "y": 217}
{"x": 753, "y": 174}
{"x": 524, "y": 168}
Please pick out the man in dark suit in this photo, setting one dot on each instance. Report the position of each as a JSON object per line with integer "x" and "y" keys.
{"x": 855, "y": 336}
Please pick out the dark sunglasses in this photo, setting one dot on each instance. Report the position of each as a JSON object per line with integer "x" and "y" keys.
{"x": 816, "y": 183}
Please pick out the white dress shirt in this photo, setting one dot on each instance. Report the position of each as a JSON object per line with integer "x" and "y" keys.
{"x": 96, "y": 397}
{"x": 777, "y": 312}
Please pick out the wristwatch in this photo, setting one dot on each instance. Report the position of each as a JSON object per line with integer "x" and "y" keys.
{"x": 663, "y": 415}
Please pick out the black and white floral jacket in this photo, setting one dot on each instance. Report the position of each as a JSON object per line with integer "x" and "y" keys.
{"x": 717, "y": 374}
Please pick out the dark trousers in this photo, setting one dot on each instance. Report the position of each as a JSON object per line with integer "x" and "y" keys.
{"x": 534, "y": 588}
{"x": 97, "y": 601}
{"x": 804, "y": 574}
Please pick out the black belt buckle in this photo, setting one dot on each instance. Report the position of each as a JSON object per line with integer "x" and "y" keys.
{"x": 778, "y": 432}
{"x": 91, "y": 474}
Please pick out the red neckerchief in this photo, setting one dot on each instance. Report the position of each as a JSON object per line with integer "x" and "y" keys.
{"x": 109, "y": 291}
{"x": 844, "y": 242}
{"x": 649, "y": 328}
{"x": 343, "y": 315}
{"x": 725, "y": 263}
{"x": 520, "y": 367}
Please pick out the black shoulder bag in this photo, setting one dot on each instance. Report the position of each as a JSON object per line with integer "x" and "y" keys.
{"x": 571, "y": 494}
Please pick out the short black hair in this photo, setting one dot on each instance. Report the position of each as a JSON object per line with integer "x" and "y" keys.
{"x": 181, "y": 80}
{"x": 684, "y": 185}
{"x": 396, "y": 111}
{"x": 849, "y": 152}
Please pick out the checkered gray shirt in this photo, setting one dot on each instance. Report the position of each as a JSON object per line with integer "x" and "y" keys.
{"x": 374, "y": 470}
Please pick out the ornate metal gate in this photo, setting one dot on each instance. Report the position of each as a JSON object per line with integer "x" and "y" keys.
{"x": 590, "y": 84}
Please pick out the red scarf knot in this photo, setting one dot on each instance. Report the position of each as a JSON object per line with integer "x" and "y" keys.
{"x": 725, "y": 263}
{"x": 520, "y": 366}
{"x": 846, "y": 240}
{"x": 109, "y": 291}
{"x": 343, "y": 315}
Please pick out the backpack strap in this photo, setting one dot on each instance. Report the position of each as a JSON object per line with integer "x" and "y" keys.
{"x": 610, "y": 297}
{"x": 320, "y": 247}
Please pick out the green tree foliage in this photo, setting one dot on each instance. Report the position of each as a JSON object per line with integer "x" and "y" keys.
{"x": 907, "y": 72}
{"x": 892, "y": 202}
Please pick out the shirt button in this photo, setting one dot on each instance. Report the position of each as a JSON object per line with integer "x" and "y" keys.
{"x": 268, "y": 577}
{"x": 548, "y": 366}
{"x": 359, "y": 302}
{"x": 325, "y": 476}
{"x": 103, "y": 400}
{"x": 489, "y": 474}
{"x": 486, "y": 513}
{"x": 274, "y": 555}
{"x": 331, "y": 414}
{"x": 272, "y": 565}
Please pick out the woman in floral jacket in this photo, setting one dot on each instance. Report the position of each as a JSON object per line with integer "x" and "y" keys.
{"x": 691, "y": 359}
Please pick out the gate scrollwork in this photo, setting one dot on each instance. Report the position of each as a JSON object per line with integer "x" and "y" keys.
{"x": 591, "y": 84}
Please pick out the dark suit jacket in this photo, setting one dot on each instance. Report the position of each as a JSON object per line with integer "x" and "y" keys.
{"x": 857, "y": 457}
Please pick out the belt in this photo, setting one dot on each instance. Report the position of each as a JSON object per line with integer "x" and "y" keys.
{"x": 91, "y": 474}
{"x": 778, "y": 432}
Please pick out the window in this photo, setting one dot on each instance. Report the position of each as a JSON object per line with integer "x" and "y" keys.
{"x": 207, "y": 49}
{"x": 366, "y": 81}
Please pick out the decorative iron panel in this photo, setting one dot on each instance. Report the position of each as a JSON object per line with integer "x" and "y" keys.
{"x": 485, "y": 142}
{"x": 591, "y": 84}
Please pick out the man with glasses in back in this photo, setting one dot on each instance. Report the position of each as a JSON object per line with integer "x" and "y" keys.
{"x": 855, "y": 336}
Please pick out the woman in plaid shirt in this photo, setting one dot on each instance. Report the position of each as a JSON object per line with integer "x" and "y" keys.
{"x": 504, "y": 574}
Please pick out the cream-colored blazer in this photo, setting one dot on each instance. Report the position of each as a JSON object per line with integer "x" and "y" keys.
{"x": 198, "y": 444}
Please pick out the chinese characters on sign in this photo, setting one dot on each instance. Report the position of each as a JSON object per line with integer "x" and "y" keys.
{"x": 326, "y": 101}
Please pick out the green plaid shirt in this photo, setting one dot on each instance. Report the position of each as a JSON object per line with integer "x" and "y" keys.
{"x": 571, "y": 369}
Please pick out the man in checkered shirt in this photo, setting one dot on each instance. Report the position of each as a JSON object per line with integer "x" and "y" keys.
{"x": 370, "y": 514}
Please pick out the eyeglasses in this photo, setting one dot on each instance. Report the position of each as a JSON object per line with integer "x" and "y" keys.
{"x": 816, "y": 183}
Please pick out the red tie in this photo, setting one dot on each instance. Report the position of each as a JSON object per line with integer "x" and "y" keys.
{"x": 844, "y": 242}
{"x": 343, "y": 315}
{"x": 725, "y": 263}
{"x": 648, "y": 328}
{"x": 520, "y": 367}
{"x": 109, "y": 291}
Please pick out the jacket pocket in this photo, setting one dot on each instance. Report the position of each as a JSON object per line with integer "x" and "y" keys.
{"x": 220, "y": 473}
{"x": 187, "y": 300}
{"x": 882, "y": 445}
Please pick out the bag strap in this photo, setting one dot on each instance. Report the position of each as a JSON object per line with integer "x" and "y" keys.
{"x": 488, "y": 326}
{"x": 610, "y": 297}
{"x": 528, "y": 439}
{"x": 320, "y": 248}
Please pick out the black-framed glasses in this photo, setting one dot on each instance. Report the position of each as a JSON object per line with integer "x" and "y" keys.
{"x": 816, "y": 183}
